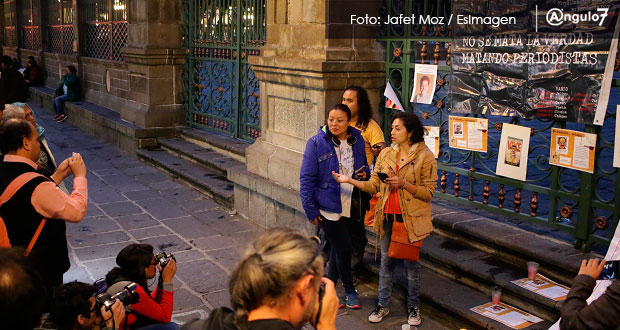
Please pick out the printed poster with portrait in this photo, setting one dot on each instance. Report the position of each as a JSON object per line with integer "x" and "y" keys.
{"x": 513, "y": 151}
{"x": 468, "y": 133}
{"x": 431, "y": 139}
{"x": 572, "y": 149}
{"x": 424, "y": 83}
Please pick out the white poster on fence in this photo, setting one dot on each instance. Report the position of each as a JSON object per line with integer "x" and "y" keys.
{"x": 513, "y": 150}
{"x": 613, "y": 253}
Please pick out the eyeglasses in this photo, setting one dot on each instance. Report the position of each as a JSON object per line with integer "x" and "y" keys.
{"x": 318, "y": 250}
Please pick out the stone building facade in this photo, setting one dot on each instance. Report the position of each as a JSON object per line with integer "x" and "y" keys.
{"x": 301, "y": 74}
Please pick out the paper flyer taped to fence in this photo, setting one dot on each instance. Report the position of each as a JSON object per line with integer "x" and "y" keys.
{"x": 513, "y": 151}
{"x": 391, "y": 100}
{"x": 424, "y": 83}
{"x": 431, "y": 139}
{"x": 572, "y": 149}
{"x": 468, "y": 133}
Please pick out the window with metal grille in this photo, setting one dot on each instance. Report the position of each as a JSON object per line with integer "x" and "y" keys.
{"x": 10, "y": 35}
{"x": 60, "y": 26}
{"x": 106, "y": 28}
{"x": 30, "y": 19}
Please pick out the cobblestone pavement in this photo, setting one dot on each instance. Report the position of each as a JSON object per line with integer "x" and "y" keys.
{"x": 131, "y": 202}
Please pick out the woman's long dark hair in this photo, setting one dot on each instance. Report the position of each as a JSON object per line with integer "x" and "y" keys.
{"x": 364, "y": 112}
{"x": 132, "y": 261}
{"x": 413, "y": 124}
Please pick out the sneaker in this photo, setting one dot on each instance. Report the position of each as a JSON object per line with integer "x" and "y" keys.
{"x": 378, "y": 314}
{"x": 352, "y": 301}
{"x": 61, "y": 118}
{"x": 56, "y": 117}
{"x": 341, "y": 302}
{"x": 413, "y": 317}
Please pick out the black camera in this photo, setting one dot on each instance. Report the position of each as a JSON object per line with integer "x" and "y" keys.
{"x": 164, "y": 258}
{"x": 127, "y": 296}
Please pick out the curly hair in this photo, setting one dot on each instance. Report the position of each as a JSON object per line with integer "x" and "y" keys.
{"x": 413, "y": 124}
{"x": 364, "y": 114}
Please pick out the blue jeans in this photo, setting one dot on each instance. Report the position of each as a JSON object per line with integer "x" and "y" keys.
{"x": 59, "y": 104}
{"x": 387, "y": 270}
{"x": 339, "y": 265}
{"x": 161, "y": 326}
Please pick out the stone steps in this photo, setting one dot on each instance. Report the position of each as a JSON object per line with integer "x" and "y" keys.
{"x": 467, "y": 254}
{"x": 202, "y": 159}
{"x": 207, "y": 181}
{"x": 224, "y": 145}
{"x": 213, "y": 160}
{"x": 446, "y": 295}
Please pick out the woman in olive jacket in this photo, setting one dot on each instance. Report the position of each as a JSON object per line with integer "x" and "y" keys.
{"x": 405, "y": 196}
{"x": 68, "y": 90}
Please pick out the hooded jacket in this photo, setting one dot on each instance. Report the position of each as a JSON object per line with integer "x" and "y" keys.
{"x": 318, "y": 188}
{"x": 420, "y": 168}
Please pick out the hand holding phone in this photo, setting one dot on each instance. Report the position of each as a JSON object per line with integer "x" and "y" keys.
{"x": 382, "y": 176}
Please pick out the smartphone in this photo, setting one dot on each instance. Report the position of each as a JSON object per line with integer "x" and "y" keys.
{"x": 382, "y": 176}
{"x": 611, "y": 270}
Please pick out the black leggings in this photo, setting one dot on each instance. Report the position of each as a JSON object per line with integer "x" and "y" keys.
{"x": 339, "y": 266}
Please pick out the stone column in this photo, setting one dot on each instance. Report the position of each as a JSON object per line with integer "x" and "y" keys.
{"x": 302, "y": 74}
{"x": 154, "y": 57}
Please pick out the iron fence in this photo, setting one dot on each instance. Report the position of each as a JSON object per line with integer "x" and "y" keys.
{"x": 221, "y": 91}
{"x": 582, "y": 205}
{"x": 60, "y": 34}
{"x": 106, "y": 28}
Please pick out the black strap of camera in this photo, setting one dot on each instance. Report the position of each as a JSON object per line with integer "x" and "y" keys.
{"x": 160, "y": 287}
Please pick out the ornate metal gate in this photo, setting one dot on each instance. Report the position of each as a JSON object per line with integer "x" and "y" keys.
{"x": 221, "y": 91}
{"x": 583, "y": 205}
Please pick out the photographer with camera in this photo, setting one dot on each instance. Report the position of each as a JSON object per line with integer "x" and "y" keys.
{"x": 277, "y": 285}
{"x": 137, "y": 263}
{"x": 75, "y": 307}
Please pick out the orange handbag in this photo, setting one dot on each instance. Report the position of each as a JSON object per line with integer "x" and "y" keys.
{"x": 400, "y": 248}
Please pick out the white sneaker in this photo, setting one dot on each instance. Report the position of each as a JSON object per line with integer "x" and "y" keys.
{"x": 377, "y": 315}
{"x": 414, "y": 317}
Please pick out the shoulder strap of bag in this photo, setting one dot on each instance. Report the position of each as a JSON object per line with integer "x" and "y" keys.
{"x": 10, "y": 190}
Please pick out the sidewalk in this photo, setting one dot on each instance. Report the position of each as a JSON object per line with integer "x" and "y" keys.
{"x": 131, "y": 202}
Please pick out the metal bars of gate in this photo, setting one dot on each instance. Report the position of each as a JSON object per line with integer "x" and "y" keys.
{"x": 10, "y": 34}
{"x": 221, "y": 91}
{"x": 561, "y": 202}
{"x": 60, "y": 26}
{"x": 106, "y": 28}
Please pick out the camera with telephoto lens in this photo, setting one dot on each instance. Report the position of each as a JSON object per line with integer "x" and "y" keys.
{"x": 164, "y": 258}
{"x": 127, "y": 296}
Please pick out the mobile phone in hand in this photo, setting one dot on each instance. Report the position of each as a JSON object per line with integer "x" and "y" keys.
{"x": 611, "y": 270}
{"x": 382, "y": 176}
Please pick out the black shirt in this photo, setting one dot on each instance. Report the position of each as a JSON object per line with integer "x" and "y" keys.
{"x": 270, "y": 324}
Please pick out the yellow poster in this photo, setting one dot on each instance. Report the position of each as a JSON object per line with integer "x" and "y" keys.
{"x": 431, "y": 139}
{"x": 572, "y": 149}
{"x": 468, "y": 133}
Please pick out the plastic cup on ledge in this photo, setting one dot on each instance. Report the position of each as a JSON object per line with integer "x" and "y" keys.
{"x": 532, "y": 270}
{"x": 496, "y": 294}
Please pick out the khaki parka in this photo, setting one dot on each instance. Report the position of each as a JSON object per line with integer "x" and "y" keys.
{"x": 420, "y": 168}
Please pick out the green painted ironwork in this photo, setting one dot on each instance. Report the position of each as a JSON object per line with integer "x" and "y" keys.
{"x": 221, "y": 91}
{"x": 583, "y": 205}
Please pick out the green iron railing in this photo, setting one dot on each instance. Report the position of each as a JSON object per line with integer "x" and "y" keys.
{"x": 221, "y": 91}
{"x": 567, "y": 202}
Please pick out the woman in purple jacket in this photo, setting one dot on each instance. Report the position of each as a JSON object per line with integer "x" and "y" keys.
{"x": 339, "y": 148}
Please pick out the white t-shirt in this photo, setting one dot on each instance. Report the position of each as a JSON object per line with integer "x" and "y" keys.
{"x": 345, "y": 163}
